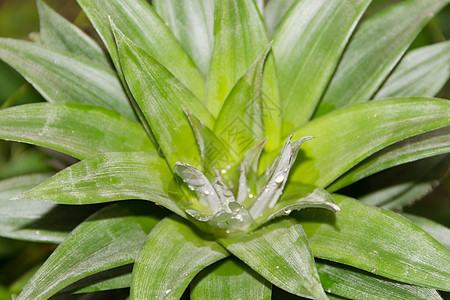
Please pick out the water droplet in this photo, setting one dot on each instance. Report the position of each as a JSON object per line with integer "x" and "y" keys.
{"x": 223, "y": 171}
{"x": 191, "y": 187}
{"x": 287, "y": 211}
{"x": 279, "y": 179}
{"x": 328, "y": 291}
{"x": 277, "y": 267}
{"x": 250, "y": 196}
{"x": 207, "y": 193}
{"x": 38, "y": 232}
{"x": 228, "y": 167}
{"x": 167, "y": 291}
{"x": 375, "y": 251}
{"x": 373, "y": 271}
{"x": 227, "y": 231}
{"x": 266, "y": 190}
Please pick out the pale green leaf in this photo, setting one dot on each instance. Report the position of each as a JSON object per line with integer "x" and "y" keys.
{"x": 75, "y": 129}
{"x": 171, "y": 257}
{"x": 422, "y": 72}
{"x": 138, "y": 20}
{"x": 111, "y": 177}
{"x": 161, "y": 98}
{"x": 108, "y": 239}
{"x": 35, "y": 220}
{"x": 274, "y": 11}
{"x": 229, "y": 279}
{"x": 436, "y": 230}
{"x": 356, "y": 284}
{"x": 307, "y": 46}
{"x": 64, "y": 77}
{"x": 379, "y": 241}
{"x": 192, "y": 23}
{"x": 374, "y": 51}
{"x": 281, "y": 254}
{"x": 59, "y": 33}
{"x": 340, "y": 142}
{"x": 417, "y": 147}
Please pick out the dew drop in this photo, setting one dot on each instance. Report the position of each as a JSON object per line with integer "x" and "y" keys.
{"x": 167, "y": 291}
{"x": 277, "y": 267}
{"x": 227, "y": 231}
{"x": 250, "y": 196}
{"x": 287, "y": 211}
{"x": 223, "y": 171}
{"x": 191, "y": 187}
{"x": 279, "y": 179}
{"x": 373, "y": 271}
{"x": 266, "y": 190}
{"x": 207, "y": 193}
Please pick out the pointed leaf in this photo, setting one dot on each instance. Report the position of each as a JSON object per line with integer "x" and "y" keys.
{"x": 172, "y": 255}
{"x": 35, "y": 220}
{"x": 422, "y": 72}
{"x": 417, "y": 147}
{"x": 274, "y": 11}
{"x": 396, "y": 249}
{"x": 356, "y": 284}
{"x": 63, "y": 77}
{"x": 137, "y": 19}
{"x": 436, "y": 230}
{"x": 110, "y": 238}
{"x": 366, "y": 64}
{"x": 307, "y": 46}
{"x": 161, "y": 97}
{"x": 78, "y": 130}
{"x": 229, "y": 279}
{"x": 281, "y": 254}
{"x": 59, "y": 33}
{"x": 111, "y": 177}
{"x": 192, "y": 23}
{"x": 385, "y": 121}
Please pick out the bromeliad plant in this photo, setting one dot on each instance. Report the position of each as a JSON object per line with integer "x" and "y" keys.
{"x": 201, "y": 110}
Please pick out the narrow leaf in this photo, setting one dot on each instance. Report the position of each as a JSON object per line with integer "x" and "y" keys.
{"x": 172, "y": 255}
{"x": 386, "y": 121}
{"x": 375, "y": 50}
{"x": 356, "y": 284}
{"x": 274, "y": 11}
{"x": 229, "y": 279}
{"x": 436, "y": 230}
{"x": 281, "y": 254}
{"x": 110, "y": 238}
{"x": 59, "y": 33}
{"x": 307, "y": 46}
{"x": 78, "y": 130}
{"x": 192, "y": 23}
{"x": 417, "y": 147}
{"x": 397, "y": 249}
{"x": 161, "y": 97}
{"x": 137, "y": 19}
{"x": 111, "y": 177}
{"x": 63, "y": 77}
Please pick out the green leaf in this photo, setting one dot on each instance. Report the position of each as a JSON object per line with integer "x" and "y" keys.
{"x": 161, "y": 97}
{"x": 307, "y": 46}
{"x": 78, "y": 130}
{"x": 274, "y": 11}
{"x": 281, "y": 254}
{"x": 108, "y": 239}
{"x": 172, "y": 255}
{"x": 192, "y": 23}
{"x": 422, "y": 72}
{"x": 356, "y": 284}
{"x": 63, "y": 77}
{"x": 436, "y": 230}
{"x": 229, "y": 279}
{"x": 386, "y": 121}
{"x": 374, "y": 51}
{"x": 111, "y": 177}
{"x": 137, "y": 19}
{"x": 379, "y": 241}
{"x": 417, "y": 147}
{"x": 239, "y": 25}
{"x": 59, "y": 33}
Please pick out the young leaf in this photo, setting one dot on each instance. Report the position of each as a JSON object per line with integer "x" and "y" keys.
{"x": 424, "y": 145}
{"x": 137, "y": 19}
{"x": 172, "y": 255}
{"x": 307, "y": 47}
{"x": 111, "y": 177}
{"x": 436, "y": 230}
{"x": 394, "y": 120}
{"x": 397, "y": 249}
{"x": 281, "y": 254}
{"x": 192, "y": 23}
{"x": 229, "y": 279}
{"x": 110, "y": 238}
{"x": 356, "y": 284}
{"x": 274, "y": 11}
{"x": 63, "y": 77}
{"x": 374, "y": 51}
{"x": 78, "y": 130}
{"x": 161, "y": 97}
{"x": 422, "y": 72}
{"x": 59, "y": 33}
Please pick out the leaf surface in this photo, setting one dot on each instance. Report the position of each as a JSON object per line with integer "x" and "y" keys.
{"x": 75, "y": 129}
{"x": 379, "y": 241}
{"x": 374, "y": 51}
{"x": 436, "y": 230}
{"x": 172, "y": 255}
{"x": 385, "y": 122}
{"x": 274, "y": 11}
{"x": 281, "y": 254}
